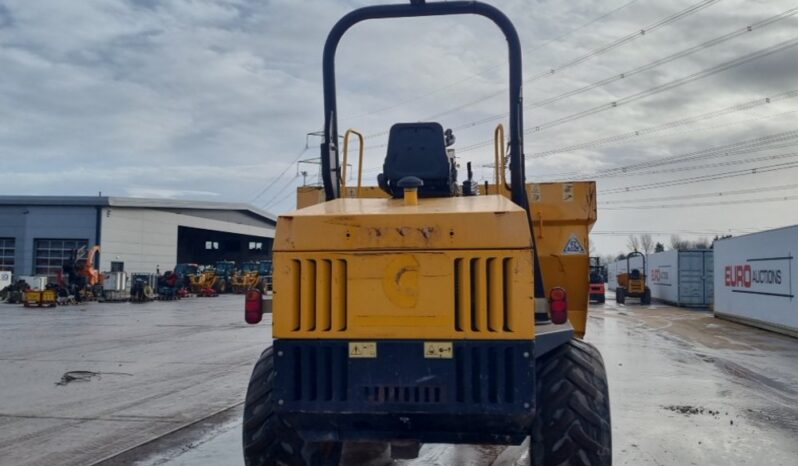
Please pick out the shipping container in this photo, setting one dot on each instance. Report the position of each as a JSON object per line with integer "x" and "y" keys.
{"x": 756, "y": 278}
{"x": 682, "y": 278}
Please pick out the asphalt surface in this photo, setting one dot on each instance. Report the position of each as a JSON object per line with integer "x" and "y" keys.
{"x": 166, "y": 380}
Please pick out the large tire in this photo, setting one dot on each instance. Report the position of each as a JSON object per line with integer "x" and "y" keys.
{"x": 267, "y": 439}
{"x": 572, "y": 426}
{"x": 620, "y": 295}
{"x": 646, "y": 296}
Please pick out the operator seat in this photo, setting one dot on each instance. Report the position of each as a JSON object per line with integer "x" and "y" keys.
{"x": 419, "y": 150}
{"x": 635, "y": 274}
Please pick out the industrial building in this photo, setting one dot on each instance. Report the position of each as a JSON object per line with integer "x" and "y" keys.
{"x": 38, "y": 233}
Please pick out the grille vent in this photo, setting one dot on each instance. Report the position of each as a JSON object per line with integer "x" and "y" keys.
{"x": 483, "y": 294}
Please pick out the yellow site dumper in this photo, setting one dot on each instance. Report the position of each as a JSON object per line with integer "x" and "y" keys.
{"x": 429, "y": 308}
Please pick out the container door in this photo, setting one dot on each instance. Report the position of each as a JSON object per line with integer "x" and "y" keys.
{"x": 709, "y": 281}
{"x": 691, "y": 278}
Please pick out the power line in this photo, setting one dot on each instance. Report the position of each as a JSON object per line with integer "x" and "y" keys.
{"x": 697, "y": 179}
{"x": 479, "y": 74}
{"x": 669, "y": 125}
{"x": 640, "y": 69}
{"x": 707, "y": 195}
{"x": 745, "y": 146}
{"x": 579, "y": 28}
{"x": 652, "y": 91}
{"x": 593, "y": 53}
{"x": 276, "y": 180}
{"x": 289, "y": 182}
{"x": 705, "y": 204}
{"x": 719, "y": 164}
{"x": 688, "y": 121}
{"x": 773, "y": 141}
{"x": 275, "y": 199}
{"x": 582, "y": 58}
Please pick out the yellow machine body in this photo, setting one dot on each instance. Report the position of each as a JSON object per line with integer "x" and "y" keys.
{"x": 243, "y": 281}
{"x": 447, "y": 268}
{"x": 631, "y": 285}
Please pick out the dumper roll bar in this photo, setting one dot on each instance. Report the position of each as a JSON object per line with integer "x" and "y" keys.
{"x": 331, "y": 168}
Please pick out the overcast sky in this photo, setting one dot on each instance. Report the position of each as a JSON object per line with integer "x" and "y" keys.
{"x": 204, "y": 99}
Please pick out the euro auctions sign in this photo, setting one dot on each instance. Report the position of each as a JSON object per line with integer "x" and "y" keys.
{"x": 756, "y": 278}
{"x": 760, "y": 275}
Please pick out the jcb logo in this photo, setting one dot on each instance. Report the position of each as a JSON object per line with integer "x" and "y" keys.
{"x": 400, "y": 282}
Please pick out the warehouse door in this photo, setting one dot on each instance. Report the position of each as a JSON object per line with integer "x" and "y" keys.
{"x": 691, "y": 278}
{"x": 50, "y": 255}
{"x": 7, "y": 253}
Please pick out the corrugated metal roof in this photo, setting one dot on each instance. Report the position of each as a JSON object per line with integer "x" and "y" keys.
{"x": 138, "y": 202}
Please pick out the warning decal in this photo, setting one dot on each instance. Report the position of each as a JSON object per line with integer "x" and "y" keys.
{"x": 568, "y": 192}
{"x": 573, "y": 246}
{"x": 535, "y": 193}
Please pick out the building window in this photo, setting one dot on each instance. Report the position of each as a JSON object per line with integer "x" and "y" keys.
{"x": 117, "y": 266}
{"x": 51, "y": 254}
{"x": 7, "y": 250}
{"x": 209, "y": 245}
{"x": 255, "y": 246}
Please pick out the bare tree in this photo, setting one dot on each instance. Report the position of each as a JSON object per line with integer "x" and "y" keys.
{"x": 647, "y": 243}
{"x": 633, "y": 243}
{"x": 702, "y": 243}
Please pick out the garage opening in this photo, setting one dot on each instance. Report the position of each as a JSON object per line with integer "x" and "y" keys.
{"x": 205, "y": 247}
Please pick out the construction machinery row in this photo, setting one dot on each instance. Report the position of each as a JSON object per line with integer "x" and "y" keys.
{"x": 80, "y": 281}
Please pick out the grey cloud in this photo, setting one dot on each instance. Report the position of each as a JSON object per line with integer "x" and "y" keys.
{"x": 212, "y": 98}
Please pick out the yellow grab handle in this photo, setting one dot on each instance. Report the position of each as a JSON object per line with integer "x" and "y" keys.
{"x": 361, "y": 142}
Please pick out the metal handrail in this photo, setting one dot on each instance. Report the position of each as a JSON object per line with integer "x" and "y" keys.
{"x": 499, "y": 152}
{"x": 361, "y": 141}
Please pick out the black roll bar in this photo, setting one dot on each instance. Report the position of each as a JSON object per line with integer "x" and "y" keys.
{"x": 330, "y": 165}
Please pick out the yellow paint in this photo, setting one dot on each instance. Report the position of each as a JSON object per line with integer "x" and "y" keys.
{"x": 362, "y": 349}
{"x": 400, "y": 281}
{"x": 633, "y": 286}
{"x": 448, "y": 295}
{"x": 411, "y": 196}
{"x": 438, "y": 350}
{"x": 461, "y": 246}
{"x": 561, "y": 211}
{"x": 479, "y": 222}
{"x": 307, "y": 196}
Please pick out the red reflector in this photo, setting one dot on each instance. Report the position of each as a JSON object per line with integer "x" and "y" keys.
{"x": 558, "y": 306}
{"x": 253, "y": 307}
{"x": 557, "y": 294}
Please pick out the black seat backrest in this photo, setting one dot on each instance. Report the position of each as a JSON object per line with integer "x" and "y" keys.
{"x": 635, "y": 274}
{"x": 418, "y": 149}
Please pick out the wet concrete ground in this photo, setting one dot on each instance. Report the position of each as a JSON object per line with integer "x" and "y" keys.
{"x": 686, "y": 389}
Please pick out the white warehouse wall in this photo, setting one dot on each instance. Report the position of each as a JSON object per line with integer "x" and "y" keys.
{"x": 146, "y": 239}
